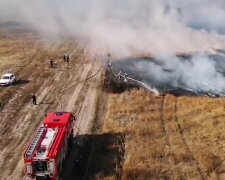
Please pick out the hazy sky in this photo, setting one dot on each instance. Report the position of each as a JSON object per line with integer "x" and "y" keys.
{"x": 127, "y": 26}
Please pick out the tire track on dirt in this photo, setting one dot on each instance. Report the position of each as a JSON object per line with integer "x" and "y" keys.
{"x": 87, "y": 112}
{"x": 10, "y": 113}
{"x": 33, "y": 118}
{"x": 29, "y": 118}
{"x": 9, "y": 110}
{"x": 185, "y": 142}
{"x": 24, "y": 125}
{"x": 76, "y": 92}
{"x": 20, "y": 117}
{"x": 19, "y": 72}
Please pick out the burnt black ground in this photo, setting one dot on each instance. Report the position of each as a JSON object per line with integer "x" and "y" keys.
{"x": 93, "y": 156}
{"x": 131, "y": 66}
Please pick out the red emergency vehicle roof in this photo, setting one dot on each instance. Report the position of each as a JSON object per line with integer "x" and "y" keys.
{"x": 58, "y": 119}
{"x": 50, "y": 137}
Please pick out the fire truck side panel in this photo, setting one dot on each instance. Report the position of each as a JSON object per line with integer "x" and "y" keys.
{"x": 59, "y": 151}
{"x": 50, "y": 145}
{"x": 58, "y": 143}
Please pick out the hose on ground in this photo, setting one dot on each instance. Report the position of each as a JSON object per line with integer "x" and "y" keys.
{"x": 74, "y": 85}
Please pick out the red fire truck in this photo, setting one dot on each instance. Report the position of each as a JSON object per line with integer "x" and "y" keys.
{"x": 47, "y": 151}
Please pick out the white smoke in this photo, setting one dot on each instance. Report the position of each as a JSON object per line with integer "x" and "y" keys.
{"x": 125, "y": 27}
{"x": 130, "y": 27}
{"x": 198, "y": 73}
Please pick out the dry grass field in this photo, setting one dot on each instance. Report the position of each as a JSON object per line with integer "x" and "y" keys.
{"x": 167, "y": 137}
{"x": 136, "y": 135}
{"x": 27, "y": 55}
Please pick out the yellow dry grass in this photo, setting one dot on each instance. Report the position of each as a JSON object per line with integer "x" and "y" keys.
{"x": 28, "y": 57}
{"x": 169, "y": 137}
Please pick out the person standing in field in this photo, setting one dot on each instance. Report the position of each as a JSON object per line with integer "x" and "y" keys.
{"x": 34, "y": 99}
{"x": 51, "y": 63}
{"x": 65, "y": 58}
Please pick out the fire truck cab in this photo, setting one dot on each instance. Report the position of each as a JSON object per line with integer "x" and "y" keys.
{"x": 47, "y": 151}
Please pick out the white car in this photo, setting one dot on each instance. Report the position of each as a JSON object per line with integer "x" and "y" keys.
{"x": 7, "y": 79}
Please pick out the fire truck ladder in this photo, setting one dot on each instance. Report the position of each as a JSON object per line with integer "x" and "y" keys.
{"x": 35, "y": 142}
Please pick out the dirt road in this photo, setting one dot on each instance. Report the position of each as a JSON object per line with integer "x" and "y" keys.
{"x": 20, "y": 119}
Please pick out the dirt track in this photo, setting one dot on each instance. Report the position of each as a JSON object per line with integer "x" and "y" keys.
{"x": 20, "y": 119}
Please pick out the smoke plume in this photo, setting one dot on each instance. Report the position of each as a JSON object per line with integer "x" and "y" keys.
{"x": 198, "y": 74}
{"x": 125, "y": 27}
{"x": 131, "y": 27}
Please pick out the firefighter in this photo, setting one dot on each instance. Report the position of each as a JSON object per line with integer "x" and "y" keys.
{"x": 34, "y": 99}
{"x": 51, "y": 63}
{"x": 119, "y": 75}
{"x": 125, "y": 77}
{"x": 67, "y": 59}
{"x": 64, "y": 57}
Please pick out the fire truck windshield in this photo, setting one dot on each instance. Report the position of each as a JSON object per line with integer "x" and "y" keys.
{"x": 40, "y": 166}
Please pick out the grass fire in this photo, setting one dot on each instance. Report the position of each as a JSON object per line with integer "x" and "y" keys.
{"x": 112, "y": 90}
